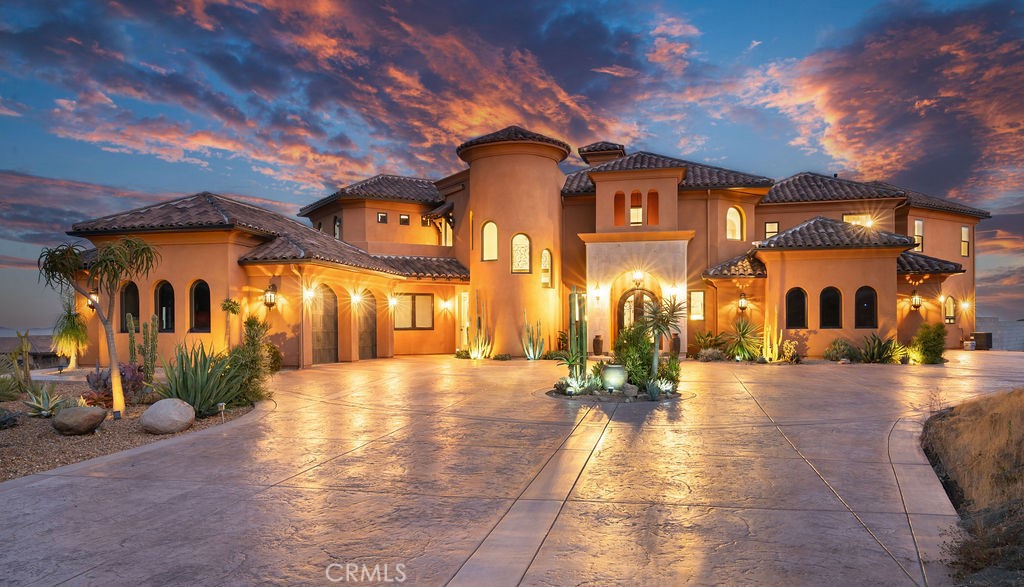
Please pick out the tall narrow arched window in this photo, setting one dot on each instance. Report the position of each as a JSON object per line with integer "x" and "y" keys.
{"x": 734, "y": 224}
{"x": 949, "y": 310}
{"x": 636, "y": 209}
{"x": 337, "y": 227}
{"x": 489, "y": 242}
{"x": 521, "y": 254}
{"x": 164, "y": 307}
{"x": 796, "y": 308}
{"x": 545, "y": 268}
{"x": 652, "y": 208}
{"x": 830, "y": 308}
{"x": 199, "y": 306}
{"x": 865, "y": 314}
{"x": 129, "y": 305}
{"x": 620, "y": 209}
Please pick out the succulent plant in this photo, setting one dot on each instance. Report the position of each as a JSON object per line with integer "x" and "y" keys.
{"x": 42, "y": 402}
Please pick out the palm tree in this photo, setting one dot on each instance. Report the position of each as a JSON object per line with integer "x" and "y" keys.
{"x": 64, "y": 268}
{"x": 661, "y": 319}
{"x": 70, "y": 333}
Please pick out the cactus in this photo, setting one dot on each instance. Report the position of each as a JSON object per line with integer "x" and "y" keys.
{"x": 129, "y": 321}
{"x": 480, "y": 344}
{"x": 576, "y": 358}
{"x": 533, "y": 340}
{"x": 22, "y": 350}
{"x": 148, "y": 348}
{"x": 771, "y": 343}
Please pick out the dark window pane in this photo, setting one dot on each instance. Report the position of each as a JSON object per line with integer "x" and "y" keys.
{"x": 129, "y": 305}
{"x": 831, "y": 308}
{"x": 796, "y": 308}
{"x": 165, "y": 307}
{"x": 866, "y": 314}
{"x": 201, "y": 307}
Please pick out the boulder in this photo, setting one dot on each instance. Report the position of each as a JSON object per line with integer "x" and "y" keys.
{"x": 78, "y": 420}
{"x": 167, "y": 416}
{"x": 630, "y": 390}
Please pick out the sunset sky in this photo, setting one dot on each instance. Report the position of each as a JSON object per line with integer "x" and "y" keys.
{"x": 105, "y": 106}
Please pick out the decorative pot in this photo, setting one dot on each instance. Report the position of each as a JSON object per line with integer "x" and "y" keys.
{"x": 676, "y": 345}
{"x": 613, "y": 376}
{"x": 598, "y": 345}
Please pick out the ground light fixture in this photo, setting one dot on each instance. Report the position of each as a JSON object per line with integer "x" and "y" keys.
{"x": 742, "y": 304}
{"x": 270, "y": 296}
{"x": 915, "y": 300}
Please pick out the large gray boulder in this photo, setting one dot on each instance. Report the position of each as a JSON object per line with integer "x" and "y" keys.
{"x": 78, "y": 420}
{"x": 167, "y": 416}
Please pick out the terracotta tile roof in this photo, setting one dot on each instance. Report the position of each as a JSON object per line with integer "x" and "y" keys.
{"x": 383, "y": 187}
{"x": 511, "y": 134}
{"x": 601, "y": 147}
{"x": 288, "y": 240}
{"x": 919, "y": 200}
{"x": 697, "y": 174}
{"x": 915, "y": 263}
{"x": 423, "y": 267}
{"x": 745, "y": 265}
{"x": 825, "y": 233}
{"x": 814, "y": 187}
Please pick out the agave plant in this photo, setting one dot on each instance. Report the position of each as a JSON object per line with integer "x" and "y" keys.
{"x": 42, "y": 402}
{"x": 706, "y": 340}
{"x": 533, "y": 340}
{"x": 878, "y": 350}
{"x": 744, "y": 340}
{"x": 201, "y": 379}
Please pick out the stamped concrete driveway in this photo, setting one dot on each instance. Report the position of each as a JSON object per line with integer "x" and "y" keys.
{"x": 432, "y": 470}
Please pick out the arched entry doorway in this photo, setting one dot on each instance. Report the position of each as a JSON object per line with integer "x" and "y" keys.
{"x": 324, "y": 313}
{"x": 631, "y": 306}
{"x": 367, "y": 326}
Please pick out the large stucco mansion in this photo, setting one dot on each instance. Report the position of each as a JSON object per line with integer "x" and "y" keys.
{"x": 398, "y": 265}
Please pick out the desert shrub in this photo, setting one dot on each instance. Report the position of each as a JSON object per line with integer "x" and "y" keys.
{"x": 706, "y": 340}
{"x": 132, "y": 381}
{"x": 840, "y": 348}
{"x": 669, "y": 370}
{"x": 929, "y": 344}
{"x": 251, "y": 358}
{"x": 201, "y": 379}
{"x": 582, "y": 385}
{"x": 635, "y": 352}
{"x": 462, "y": 354}
{"x": 597, "y": 368}
{"x": 652, "y": 389}
{"x": 708, "y": 355}
{"x": 10, "y": 379}
{"x": 502, "y": 357}
{"x": 744, "y": 341}
{"x": 42, "y": 402}
{"x": 553, "y": 356}
{"x": 563, "y": 340}
{"x": 878, "y": 350}
{"x": 275, "y": 358}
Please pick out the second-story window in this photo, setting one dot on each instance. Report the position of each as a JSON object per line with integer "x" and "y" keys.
{"x": 734, "y": 224}
{"x": 771, "y": 229}
{"x": 636, "y": 209}
{"x": 965, "y": 241}
{"x": 403, "y": 220}
{"x": 919, "y": 235}
{"x": 382, "y": 217}
{"x": 521, "y": 254}
{"x": 337, "y": 228}
{"x": 489, "y": 242}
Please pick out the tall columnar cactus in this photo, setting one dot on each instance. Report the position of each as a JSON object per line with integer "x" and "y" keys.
{"x": 148, "y": 348}
{"x": 23, "y": 350}
{"x": 129, "y": 321}
{"x": 577, "y": 352}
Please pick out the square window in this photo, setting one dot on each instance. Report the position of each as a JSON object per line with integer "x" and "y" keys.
{"x": 403, "y": 219}
{"x": 382, "y": 217}
{"x": 636, "y": 216}
{"x": 414, "y": 311}
{"x": 696, "y": 305}
{"x": 771, "y": 229}
{"x": 424, "y": 222}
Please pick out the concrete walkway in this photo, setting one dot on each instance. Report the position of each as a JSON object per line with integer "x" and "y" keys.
{"x": 433, "y": 470}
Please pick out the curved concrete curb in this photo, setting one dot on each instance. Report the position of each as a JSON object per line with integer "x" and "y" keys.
{"x": 261, "y": 409}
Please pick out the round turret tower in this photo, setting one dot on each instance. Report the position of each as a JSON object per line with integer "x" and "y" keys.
{"x": 515, "y": 211}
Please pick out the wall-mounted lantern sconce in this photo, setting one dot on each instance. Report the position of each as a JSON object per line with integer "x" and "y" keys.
{"x": 965, "y": 305}
{"x": 357, "y": 299}
{"x": 638, "y": 278}
{"x": 94, "y": 299}
{"x": 446, "y": 305}
{"x": 742, "y": 304}
{"x": 392, "y": 301}
{"x": 915, "y": 300}
{"x": 270, "y": 296}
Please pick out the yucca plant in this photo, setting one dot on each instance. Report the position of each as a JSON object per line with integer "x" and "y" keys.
{"x": 743, "y": 341}
{"x": 70, "y": 333}
{"x": 877, "y": 350}
{"x": 42, "y": 402}
{"x": 706, "y": 340}
{"x": 533, "y": 340}
{"x": 201, "y": 379}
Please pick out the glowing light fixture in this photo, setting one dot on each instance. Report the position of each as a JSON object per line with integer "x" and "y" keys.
{"x": 638, "y": 278}
{"x": 357, "y": 299}
{"x": 94, "y": 299}
{"x": 965, "y": 305}
{"x": 446, "y": 305}
{"x": 742, "y": 304}
{"x": 308, "y": 293}
{"x": 915, "y": 300}
{"x": 270, "y": 296}
{"x": 942, "y": 299}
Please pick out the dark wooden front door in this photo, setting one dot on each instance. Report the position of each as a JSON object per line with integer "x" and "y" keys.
{"x": 367, "y": 326}
{"x": 325, "y": 326}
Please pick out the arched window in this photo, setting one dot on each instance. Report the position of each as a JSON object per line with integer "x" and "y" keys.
{"x": 652, "y": 208}
{"x": 545, "y": 268}
{"x": 796, "y": 308}
{"x": 830, "y": 304}
{"x": 521, "y": 254}
{"x": 199, "y": 306}
{"x": 949, "y": 310}
{"x": 164, "y": 307}
{"x": 337, "y": 228}
{"x": 734, "y": 224}
{"x": 129, "y": 305}
{"x": 489, "y": 242}
{"x": 865, "y": 314}
{"x": 620, "y": 209}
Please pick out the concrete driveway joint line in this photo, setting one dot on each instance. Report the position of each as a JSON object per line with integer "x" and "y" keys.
{"x": 464, "y": 472}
